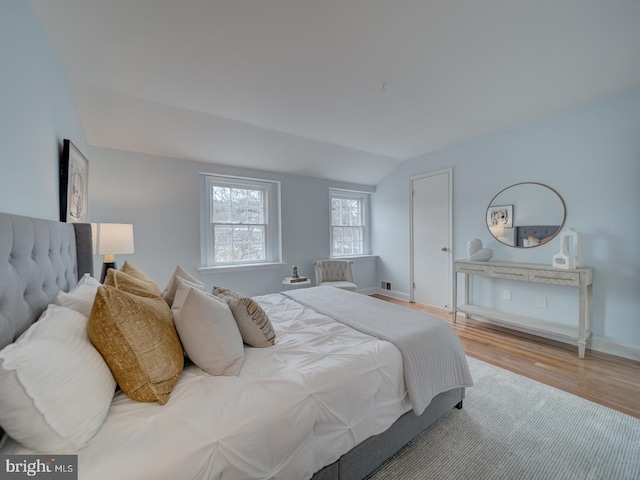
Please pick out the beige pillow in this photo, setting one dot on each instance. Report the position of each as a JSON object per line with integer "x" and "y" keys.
{"x": 253, "y": 323}
{"x": 169, "y": 291}
{"x": 137, "y": 339}
{"x": 128, "y": 283}
{"x": 207, "y": 330}
{"x": 532, "y": 241}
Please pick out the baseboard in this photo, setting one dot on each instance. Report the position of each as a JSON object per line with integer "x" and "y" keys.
{"x": 605, "y": 345}
{"x": 368, "y": 291}
{"x": 391, "y": 294}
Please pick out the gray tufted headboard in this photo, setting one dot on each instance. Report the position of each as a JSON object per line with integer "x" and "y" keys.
{"x": 538, "y": 231}
{"x": 38, "y": 258}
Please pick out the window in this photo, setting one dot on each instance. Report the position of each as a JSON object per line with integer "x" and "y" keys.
{"x": 242, "y": 221}
{"x": 348, "y": 233}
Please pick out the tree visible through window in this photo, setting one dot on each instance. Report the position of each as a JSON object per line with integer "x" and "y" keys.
{"x": 239, "y": 224}
{"x": 241, "y": 221}
{"x": 347, "y": 224}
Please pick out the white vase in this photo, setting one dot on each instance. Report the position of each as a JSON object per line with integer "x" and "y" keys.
{"x": 570, "y": 255}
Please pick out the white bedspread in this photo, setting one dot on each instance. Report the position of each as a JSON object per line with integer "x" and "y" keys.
{"x": 294, "y": 408}
{"x": 433, "y": 358}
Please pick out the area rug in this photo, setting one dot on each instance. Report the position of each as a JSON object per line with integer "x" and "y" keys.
{"x": 512, "y": 427}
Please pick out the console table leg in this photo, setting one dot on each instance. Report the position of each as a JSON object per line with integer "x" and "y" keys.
{"x": 581, "y": 348}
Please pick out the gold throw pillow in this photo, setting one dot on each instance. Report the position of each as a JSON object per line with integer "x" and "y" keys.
{"x": 137, "y": 339}
{"x": 131, "y": 280}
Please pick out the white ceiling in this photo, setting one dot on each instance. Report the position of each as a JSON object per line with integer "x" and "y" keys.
{"x": 339, "y": 89}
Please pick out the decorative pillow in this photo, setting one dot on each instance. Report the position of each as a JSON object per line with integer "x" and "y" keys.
{"x": 55, "y": 388}
{"x": 253, "y": 323}
{"x": 207, "y": 330}
{"x": 169, "y": 291}
{"x": 135, "y": 272}
{"x": 80, "y": 298}
{"x": 132, "y": 270}
{"x": 532, "y": 241}
{"x": 136, "y": 337}
{"x": 128, "y": 283}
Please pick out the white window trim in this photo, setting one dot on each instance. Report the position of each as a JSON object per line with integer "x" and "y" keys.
{"x": 241, "y": 267}
{"x": 273, "y": 235}
{"x": 365, "y": 198}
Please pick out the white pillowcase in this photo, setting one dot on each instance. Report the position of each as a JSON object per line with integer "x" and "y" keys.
{"x": 55, "y": 388}
{"x": 208, "y": 331}
{"x": 81, "y": 297}
{"x": 169, "y": 291}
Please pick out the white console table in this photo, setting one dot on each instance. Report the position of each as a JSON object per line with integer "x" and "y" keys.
{"x": 582, "y": 278}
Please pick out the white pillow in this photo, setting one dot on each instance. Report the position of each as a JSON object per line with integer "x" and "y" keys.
{"x": 55, "y": 388}
{"x": 169, "y": 291}
{"x": 208, "y": 331}
{"x": 81, "y": 297}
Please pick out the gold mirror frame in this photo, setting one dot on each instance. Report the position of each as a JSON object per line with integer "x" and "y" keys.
{"x": 502, "y": 216}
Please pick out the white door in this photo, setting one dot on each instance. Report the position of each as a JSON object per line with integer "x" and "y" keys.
{"x": 431, "y": 232}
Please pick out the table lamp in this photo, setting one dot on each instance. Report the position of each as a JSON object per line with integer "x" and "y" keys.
{"x": 111, "y": 239}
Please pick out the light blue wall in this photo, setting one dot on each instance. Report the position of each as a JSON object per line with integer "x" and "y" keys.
{"x": 591, "y": 156}
{"x": 160, "y": 197}
{"x": 37, "y": 111}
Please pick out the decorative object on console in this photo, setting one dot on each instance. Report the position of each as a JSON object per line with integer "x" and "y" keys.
{"x": 476, "y": 252}
{"x": 294, "y": 271}
{"x": 570, "y": 254}
{"x": 74, "y": 184}
{"x": 111, "y": 239}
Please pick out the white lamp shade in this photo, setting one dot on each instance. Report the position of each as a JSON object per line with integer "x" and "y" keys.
{"x": 112, "y": 238}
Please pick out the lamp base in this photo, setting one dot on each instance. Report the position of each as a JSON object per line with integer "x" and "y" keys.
{"x": 105, "y": 267}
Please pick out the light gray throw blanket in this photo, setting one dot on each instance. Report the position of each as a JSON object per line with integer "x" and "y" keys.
{"x": 433, "y": 358}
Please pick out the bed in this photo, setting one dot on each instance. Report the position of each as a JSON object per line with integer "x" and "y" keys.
{"x": 329, "y": 400}
{"x": 532, "y": 235}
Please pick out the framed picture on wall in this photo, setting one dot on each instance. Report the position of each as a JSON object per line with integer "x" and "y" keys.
{"x": 500, "y": 216}
{"x": 74, "y": 184}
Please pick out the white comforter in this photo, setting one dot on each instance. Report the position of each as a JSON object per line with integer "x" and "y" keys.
{"x": 294, "y": 408}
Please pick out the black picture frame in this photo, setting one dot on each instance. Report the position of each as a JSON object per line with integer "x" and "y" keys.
{"x": 74, "y": 184}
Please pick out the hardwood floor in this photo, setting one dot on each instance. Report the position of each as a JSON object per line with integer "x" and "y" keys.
{"x": 601, "y": 378}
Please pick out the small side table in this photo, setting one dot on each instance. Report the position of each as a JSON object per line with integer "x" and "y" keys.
{"x": 288, "y": 285}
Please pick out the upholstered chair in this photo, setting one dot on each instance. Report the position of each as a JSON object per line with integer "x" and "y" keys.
{"x": 335, "y": 273}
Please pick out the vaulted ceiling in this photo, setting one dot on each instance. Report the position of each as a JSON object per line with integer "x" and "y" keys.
{"x": 339, "y": 89}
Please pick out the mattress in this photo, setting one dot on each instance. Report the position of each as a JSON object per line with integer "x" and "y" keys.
{"x": 295, "y": 407}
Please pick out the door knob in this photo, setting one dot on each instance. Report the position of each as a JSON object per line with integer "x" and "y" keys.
{"x": 444, "y": 249}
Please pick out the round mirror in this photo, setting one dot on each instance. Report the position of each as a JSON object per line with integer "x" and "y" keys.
{"x": 526, "y": 215}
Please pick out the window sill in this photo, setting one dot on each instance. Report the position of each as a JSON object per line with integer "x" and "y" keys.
{"x": 354, "y": 257}
{"x": 241, "y": 268}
